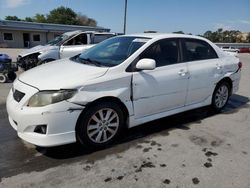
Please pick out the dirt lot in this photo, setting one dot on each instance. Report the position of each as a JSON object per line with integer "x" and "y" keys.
{"x": 12, "y": 52}
{"x": 191, "y": 149}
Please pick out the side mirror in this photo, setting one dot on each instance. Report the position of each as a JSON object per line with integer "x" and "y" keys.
{"x": 146, "y": 64}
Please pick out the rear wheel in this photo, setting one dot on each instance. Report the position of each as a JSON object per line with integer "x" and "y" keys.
{"x": 220, "y": 96}
{"x": 3, "y": 78}
{"x": 100, "y": 125}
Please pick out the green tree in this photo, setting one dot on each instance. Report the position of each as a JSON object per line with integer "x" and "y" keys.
{"x": 84, "y": 20}
{"x": 29, "y": 19}
{"x": 219, "y": 35}
{"x": 248, "y": 37}
{"x": 223, "y": 36}
{"x": 63, "y": 15}
{"x": 60, "y": 15}
{"x": 13, "y": 18}
{"x": 40, "y": 18}
{"x": 91, "y": 22}
{"x": 179, "y": 32}
{"x": 209, "y": 35}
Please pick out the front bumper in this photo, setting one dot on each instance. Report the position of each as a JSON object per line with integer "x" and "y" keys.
{"x": 60, "y": 119}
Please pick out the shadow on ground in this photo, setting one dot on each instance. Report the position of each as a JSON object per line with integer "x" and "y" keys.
{"x": 137, "y": 134}
{"x": 18, "y": 157}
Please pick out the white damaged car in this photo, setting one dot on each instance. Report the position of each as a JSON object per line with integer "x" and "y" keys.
{"x": 120, "y": 83}
{"x": 66, "y": 45}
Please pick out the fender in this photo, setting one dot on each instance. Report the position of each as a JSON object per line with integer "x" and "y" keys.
{"x": 119, "y": 88}
{"x": 50, "y": 54}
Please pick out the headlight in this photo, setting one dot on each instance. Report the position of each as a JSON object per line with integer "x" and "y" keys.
{"x": 44, "y": 98}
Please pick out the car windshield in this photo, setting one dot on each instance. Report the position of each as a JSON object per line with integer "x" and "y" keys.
{"x": 112, "y": 52}
{"x": 59, "y": 39}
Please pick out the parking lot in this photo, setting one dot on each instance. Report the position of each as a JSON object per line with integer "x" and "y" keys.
{"x": 193, "y": 149}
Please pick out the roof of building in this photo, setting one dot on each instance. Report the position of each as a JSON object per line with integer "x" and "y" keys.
{"x": 45, "y": 27}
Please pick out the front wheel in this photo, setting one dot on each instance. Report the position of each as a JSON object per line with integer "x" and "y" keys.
{"x": 100, "y": 125}
{"x": 220, "y": 96}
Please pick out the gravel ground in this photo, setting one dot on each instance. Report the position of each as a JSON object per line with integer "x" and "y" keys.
{"x": 12, "y": 52}
{"x": 191, "y": 149}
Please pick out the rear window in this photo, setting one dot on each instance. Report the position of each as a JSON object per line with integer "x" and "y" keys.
{"x": 198, "y": 50}
{"x": 101, "y": 37}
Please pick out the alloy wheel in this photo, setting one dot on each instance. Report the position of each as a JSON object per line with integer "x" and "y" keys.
{"x": 103, "y": 125}
{"x": 221, "y": 96}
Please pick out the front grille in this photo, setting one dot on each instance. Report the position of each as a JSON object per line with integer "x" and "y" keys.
{"x": 18, "y": 95}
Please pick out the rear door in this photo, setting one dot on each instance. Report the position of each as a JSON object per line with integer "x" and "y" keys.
{"x": 204, "y": 67}
{"x": 163, "y": 88}
{"x": 74, "y": 46}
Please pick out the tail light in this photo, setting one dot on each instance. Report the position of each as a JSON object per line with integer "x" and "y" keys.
{"x": 239, "y": 65}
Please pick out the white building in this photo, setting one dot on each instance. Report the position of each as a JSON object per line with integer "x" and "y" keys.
{"x": 18, "y": 34}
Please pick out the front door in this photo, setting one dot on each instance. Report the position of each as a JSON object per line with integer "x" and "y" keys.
{"x": 26, "y": 40}
{"x": 165, "y": 87}
{"x": 74, "y": 46}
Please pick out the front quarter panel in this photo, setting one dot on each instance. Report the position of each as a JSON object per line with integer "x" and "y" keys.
{"x": 50, "y": 54}
{"x": 118, "y": 86}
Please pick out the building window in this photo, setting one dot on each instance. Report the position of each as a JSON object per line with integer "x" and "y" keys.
{"x": 36, "y": 38}
{"x": 7, "y": 36}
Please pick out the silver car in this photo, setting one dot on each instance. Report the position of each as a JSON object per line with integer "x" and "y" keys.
{"x": 66, "y": 45}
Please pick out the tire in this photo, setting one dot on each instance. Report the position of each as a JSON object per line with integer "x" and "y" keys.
{"x": 220, "y": 96}
{"x": 3, "y": 78}
{"x": 100, "y": 125}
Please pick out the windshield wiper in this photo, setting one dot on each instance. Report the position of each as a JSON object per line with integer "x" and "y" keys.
{"x": 90, "y": 61}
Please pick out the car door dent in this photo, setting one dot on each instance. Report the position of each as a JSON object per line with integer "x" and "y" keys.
{"x": 119, "y": 88}
{"x": 155, "y": 87}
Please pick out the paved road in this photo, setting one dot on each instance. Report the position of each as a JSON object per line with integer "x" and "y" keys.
{"x": 192, "y": 149}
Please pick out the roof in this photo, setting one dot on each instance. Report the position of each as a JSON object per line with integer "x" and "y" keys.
{"x": 45, "y": 27}
{"x": 165, "y": 35}
{"x": 158, "y": 36}
{"x": 70, "y": 33}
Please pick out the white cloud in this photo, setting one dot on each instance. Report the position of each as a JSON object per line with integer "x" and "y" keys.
{"x": 15, "y": 3}
{"x": 244, "y": 21}
{"x": 233, "y": 25}
{"x": 223, "y": 26}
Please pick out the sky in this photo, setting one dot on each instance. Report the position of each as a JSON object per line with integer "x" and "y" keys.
{"x": 190, "y": 16}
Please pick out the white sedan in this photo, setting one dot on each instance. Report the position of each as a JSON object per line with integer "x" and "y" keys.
{"x": 121, "y": 82}
{"x": 231, "y": 50}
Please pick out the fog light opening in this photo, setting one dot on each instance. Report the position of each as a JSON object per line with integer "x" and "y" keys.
{"x": 41, "y": 129}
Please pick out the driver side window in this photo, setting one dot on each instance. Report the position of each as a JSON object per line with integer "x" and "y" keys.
{"x": 164, "y": 52}
{"x": 78, "y": 40}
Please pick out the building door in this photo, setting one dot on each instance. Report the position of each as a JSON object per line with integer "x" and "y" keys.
{"x": 26, "y": 40}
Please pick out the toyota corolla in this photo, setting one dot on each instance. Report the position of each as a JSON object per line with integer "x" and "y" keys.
{"x": 120, "y": 83}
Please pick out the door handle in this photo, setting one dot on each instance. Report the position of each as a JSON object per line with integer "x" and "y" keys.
{"x": 182, "y": 72}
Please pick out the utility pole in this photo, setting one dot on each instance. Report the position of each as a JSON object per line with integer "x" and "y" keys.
{"x": 125, "y": 17}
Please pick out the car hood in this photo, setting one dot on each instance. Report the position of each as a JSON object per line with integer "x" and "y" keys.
{"x": 61, "y": 74}
{"x": 36, "y": 49}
